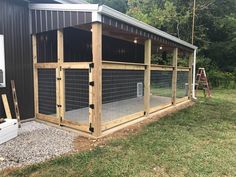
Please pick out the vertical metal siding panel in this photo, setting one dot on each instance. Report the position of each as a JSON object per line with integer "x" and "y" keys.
{"x": 61, "y": 19}
{"x": 54, "y": 19}
{"x": 67, "y": 18}
{"x": 82, "y": 17}
{"x": 14, "y": 25}
{"x": 33, "y": 21}
{"x": 38, "y": 20}
{"x": 49, "y": 22}
{"x": 44, "y": 20}
{"x": 73, "y": 18}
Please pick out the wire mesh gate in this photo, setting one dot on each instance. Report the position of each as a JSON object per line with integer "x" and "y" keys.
{"x": 63, "y": 94}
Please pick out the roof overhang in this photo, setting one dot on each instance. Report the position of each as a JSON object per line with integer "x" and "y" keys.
{"x": 105, "y": 10}
{"x": 98, "y": 11}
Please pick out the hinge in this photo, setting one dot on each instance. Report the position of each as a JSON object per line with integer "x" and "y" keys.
{"x": 59, "y": 106}
{"x": 91, "y": 129}
{"x": 91, "y": 83}
{"x": 58, "y": 78}
{"x": 91, "y": 65}
{"x": 91, "y": 106}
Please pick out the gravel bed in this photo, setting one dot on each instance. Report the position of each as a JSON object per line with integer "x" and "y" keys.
{"x": 36, "y": 142}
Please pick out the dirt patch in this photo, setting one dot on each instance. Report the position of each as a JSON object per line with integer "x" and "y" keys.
{"x": 83, "y": 144}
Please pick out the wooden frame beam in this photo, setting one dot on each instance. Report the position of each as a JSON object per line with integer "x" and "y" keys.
{"x": 122, "y": 120}
{"x": 96, "y": 106}
{"x": 60, "y": 80}
{"x": 161, "y": 68}
{"x": 174, "y": 75}
{"x": 35, "y": 73}
{"x": 6, "y": 106}
{"x": 147, "y": 75}
{"x": 122, "y": 66}
{"x": 190, "y": 76}
{"x": 67, "y": 65}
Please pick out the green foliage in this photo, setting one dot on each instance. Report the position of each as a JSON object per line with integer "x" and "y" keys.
{"x": 222, "y": 79}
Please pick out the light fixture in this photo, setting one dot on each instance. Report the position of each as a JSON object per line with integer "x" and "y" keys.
{"x": 161, "y": 47}
{"x": 135, "y": 41}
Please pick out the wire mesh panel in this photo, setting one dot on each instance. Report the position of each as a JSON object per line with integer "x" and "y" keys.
{"x": 77, "y": 95}
{"x": 47, "y": 91}
{"x": 122, "y": 93}
{"x": 161, "y": 88}
{"x": 182, "y": 84}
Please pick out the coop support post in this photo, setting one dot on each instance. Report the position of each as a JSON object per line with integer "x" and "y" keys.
{"x": 97, "y": 79}
{"x": 34, "y": 47}
{"x": 174, "y": 75}
{"x": 147, "y": 60}
{"x": 190, "y": 76}
{"x": 60, "y": 76}
{"x": 194, "y": 73}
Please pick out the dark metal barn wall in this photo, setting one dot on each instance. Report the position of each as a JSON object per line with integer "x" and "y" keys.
{"x": 14, "y": 25}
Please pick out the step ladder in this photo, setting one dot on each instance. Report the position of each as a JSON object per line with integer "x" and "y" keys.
{"x": 203, "y": 81}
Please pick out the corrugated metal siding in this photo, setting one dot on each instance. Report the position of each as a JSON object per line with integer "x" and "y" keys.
{"x": 14, "y": 25}
{"x": 139, "y": 32}
{"x": 46, "y": 20}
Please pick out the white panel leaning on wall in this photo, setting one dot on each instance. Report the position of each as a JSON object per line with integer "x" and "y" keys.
{"x": 2, "y": 63}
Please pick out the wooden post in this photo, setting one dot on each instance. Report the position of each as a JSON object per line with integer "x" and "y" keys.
{"x": 34, "y": 47}
{"x": 60, "y": 86}
{"x": 174, "y": 75}
{"x": 96, "y": 69}
{"x": 190, "y": 76}
{"x": 6, "y": 106}
{"x": 147, "y": 53}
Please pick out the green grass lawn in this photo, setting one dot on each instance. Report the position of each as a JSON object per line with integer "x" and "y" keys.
{"x": 199, "y": 141}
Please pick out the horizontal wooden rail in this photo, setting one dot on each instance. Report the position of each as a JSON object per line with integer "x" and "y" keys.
{"x": 76, "y": 65}
{"x": 65, "y": 65}
{"x": 181, "y": 68}
{"x": 161, "y": 68}
{"x": 122, "y": 120}
{"x": 46, "y": 65}
{"x": 76, "y": 126}
{"x": 122, "y": 65}
{"x": 180, "y": 100}
{"x": 47, "y": 118}
{"x": 160, "y": 107}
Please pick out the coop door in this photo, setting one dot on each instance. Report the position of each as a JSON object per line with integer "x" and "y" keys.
{"x": 139, "y": 89}
{"x": 2, "y": 63}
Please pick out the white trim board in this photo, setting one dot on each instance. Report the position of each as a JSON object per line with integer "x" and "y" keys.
{"x": 65, "y": 7}
{"x": 2, "y": 61}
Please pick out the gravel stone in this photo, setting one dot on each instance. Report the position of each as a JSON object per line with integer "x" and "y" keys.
{"x": 36, "y": 142}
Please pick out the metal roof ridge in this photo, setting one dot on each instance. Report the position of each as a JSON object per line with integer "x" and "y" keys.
{"x": 65, "y": 7}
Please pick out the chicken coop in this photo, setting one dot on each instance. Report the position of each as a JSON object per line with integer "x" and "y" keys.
{"x": 96, "y": 69}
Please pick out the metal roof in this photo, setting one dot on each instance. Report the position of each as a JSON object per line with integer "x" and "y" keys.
{"x": 99, "y": 11}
